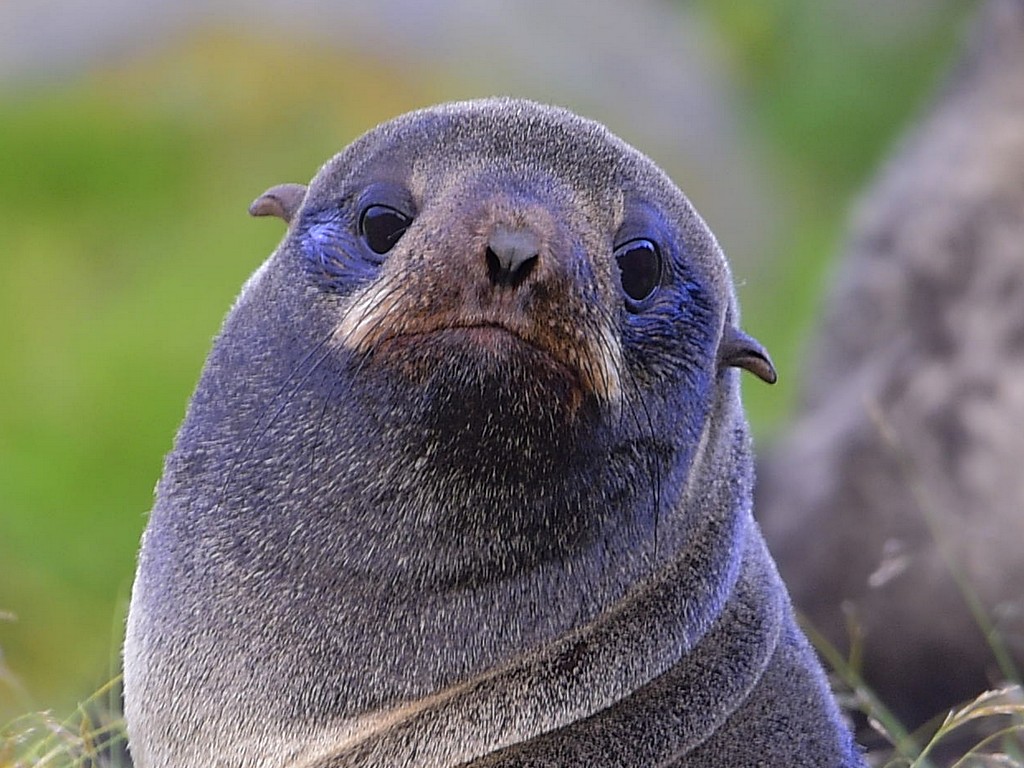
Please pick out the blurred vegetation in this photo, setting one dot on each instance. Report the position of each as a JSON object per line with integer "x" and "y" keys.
{"x": 124, "y": 239}
{"x": 829, "y": 86}
{"x": 93, "y": 736}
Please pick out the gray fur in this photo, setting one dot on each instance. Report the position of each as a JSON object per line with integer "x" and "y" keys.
{"x": 377, "y": 544}
{"x": 905, "y": 463}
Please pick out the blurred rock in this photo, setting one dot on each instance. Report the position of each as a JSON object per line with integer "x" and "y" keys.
{"x": 905, "y": 467}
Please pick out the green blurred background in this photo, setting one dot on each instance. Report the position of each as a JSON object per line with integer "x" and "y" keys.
{"x": 132, "y": 142}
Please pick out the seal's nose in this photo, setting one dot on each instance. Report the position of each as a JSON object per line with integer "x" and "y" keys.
{"x": 512, "y": 253}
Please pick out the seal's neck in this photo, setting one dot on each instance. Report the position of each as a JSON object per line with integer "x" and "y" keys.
{"x": 422, "y": 517}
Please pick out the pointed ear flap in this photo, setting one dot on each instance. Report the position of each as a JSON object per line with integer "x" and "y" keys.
{"x": 281, "y": 201}
{"x": 742, "y": 351}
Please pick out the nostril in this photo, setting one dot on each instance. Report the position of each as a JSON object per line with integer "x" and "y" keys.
{"x": 511, "y": 255}
{"x": 509, "y": 269}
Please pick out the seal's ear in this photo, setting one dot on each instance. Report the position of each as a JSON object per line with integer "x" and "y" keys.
{"x": 281, "y": 201}
{"x": 742, "y": 351}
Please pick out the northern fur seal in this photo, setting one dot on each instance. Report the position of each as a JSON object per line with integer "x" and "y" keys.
{"x": 466, "y": 480}
{"x": 904, "y": 465}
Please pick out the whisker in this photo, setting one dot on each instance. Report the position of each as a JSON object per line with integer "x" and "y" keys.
{"x": 654, "y": 466}
{"x": 656, "y": 474}
{"x": 315, "y": 446}
{"x": 250, "y": 443}
{"x": 604, "y": 345}
{"x": 386, "y": 289}
{"x": 257, "y": 433}
{"x": 392, "y": 296}
{"x": 339, "y": 384}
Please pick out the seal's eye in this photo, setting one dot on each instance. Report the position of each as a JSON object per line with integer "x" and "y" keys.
{"x": 382, "y": 226}
{"x": 640, "y": 265}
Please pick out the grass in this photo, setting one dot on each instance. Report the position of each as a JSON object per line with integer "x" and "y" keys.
{"x": 94, "y": 735}
{"x": 987, "y": 731}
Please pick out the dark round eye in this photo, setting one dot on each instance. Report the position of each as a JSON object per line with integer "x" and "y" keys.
{"x": 640, "y": 265}
{"x": 382, "y": 226}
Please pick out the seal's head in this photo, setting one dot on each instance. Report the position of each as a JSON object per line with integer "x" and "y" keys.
{"x": 450, "y": 419}
{"x": 504, "y": 283}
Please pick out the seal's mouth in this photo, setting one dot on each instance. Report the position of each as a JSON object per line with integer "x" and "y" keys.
{"x": 487, "y": 346}
{"x": 399, "y": 328}
{"x": 491, "y": 336}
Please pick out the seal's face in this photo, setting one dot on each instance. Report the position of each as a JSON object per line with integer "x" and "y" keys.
{"x": 490, "y": 269}
{"x": 536, "y": 260}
